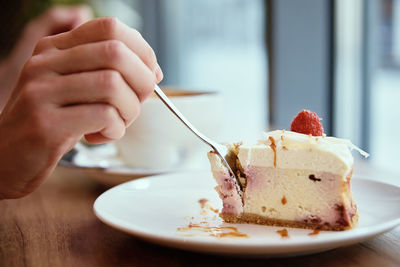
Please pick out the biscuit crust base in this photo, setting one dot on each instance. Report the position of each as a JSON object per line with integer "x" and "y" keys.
{"x": 250, "y": 218}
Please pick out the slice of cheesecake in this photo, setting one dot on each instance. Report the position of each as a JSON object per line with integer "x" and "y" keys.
{"x": 289, "y": 179}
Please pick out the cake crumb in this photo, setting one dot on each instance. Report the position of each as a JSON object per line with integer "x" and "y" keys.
{"x": 283, "y": 200}
{"x": 283, "y": 233}
{"x": 263, "y": 208}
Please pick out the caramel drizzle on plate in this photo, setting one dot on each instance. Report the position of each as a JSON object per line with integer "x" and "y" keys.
{"x": 203, "y": 227}
{"x": 215, "y": 231}
{"x": 284, "y": 233}
{"x": 315, "y": 232}
{"x": 204, "y": 205}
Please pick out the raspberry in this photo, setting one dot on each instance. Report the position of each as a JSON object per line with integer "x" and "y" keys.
{"x": 307, "y": 122}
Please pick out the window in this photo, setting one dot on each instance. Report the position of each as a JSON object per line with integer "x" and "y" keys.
{"x": 384, "y": 58}
{"x": 217, "y": 46}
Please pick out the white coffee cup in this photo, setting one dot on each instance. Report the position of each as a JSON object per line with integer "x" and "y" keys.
{"x": 158, "y": 140}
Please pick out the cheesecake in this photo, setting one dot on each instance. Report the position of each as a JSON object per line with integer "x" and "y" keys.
{"x": 288, "y": 179}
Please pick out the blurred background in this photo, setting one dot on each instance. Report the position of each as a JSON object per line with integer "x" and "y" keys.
{"x": 270, "y": 59}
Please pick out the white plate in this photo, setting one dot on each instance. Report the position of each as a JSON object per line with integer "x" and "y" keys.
{"x": 153, "y": 209}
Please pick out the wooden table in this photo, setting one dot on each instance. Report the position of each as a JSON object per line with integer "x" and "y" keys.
{"x": 56, "y": 226}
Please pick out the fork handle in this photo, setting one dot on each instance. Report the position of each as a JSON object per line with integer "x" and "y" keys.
{"x": 180, "y": 116}
{"x": 216, "y": 147}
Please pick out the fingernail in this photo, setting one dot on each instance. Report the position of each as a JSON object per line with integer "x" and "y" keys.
{"x": 159, "y": 74}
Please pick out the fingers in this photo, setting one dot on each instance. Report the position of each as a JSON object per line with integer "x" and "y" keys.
{"x": 111, "y": 54}
{"x": 61, "y": 18}
{"x": 159, "y": 74}
{"x": 102, "y": 70}
{"x": 83, "y": 14}
{"x": 105, "y": 86}
{"x": 97, "y": 138}
{"x": 93, "y": 118}
{"x": 108, "y": 29}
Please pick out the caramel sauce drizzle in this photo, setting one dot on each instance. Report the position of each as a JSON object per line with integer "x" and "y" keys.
{"x": 273, "y": 147}
{"x": 283, "y": 146}
{"x": 349, "y": 175}
{"x": 214, "y": 210}
{"x": 315, "y": 232}
{"x": 284, "y": 233}
{"x": 203, "y": 227}
{"x": 215, "y": 231}
{"x": 205, "y": 205}
{"x": 284, "y": 200}
{"x": 203, "y": 202}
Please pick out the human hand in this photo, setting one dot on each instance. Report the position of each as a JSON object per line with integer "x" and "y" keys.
{"x": 55, "y": 20}
{"x": 88, "y": 81}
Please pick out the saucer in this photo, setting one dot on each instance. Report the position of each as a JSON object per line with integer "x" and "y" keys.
{"x": 103, "y": 164}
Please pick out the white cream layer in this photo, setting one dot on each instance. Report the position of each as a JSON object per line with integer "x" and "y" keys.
{"x": 299, "y": 152}
{"x": 296, "y": 151}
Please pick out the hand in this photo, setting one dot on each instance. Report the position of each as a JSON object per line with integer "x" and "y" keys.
{"x": 55, "y": 20}
{"x": 88, "y": 81}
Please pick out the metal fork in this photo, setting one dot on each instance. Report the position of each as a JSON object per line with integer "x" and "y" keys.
{"x": 219, "y": 149}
